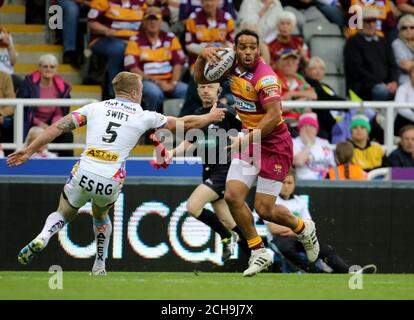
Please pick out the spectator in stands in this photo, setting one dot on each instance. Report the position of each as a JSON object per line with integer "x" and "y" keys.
{"x": 403, "y": 156}
{"x": 8, "y": 57}
{"x": 315, "y": 72}
{"x": 403, "y": 47}
{"x": 6, "y": 112}
{"x": 312, "y": 156}
{"x": 286, "y": 241}
{"x": 189, "y": 6}
{"x": 345, "y": 169}
{"x": 370, "y": 68}
{"x": 165, "y": 6}
{"x": 174, "y": 7}
{"x": 208, "y": 26}
{"x": 405, "y": 93}
{"x": 305, "y": 11}
{"x": 46, "y": 84}
{"x": 43, "y": 152}
{"x": 262, "y": 13}
{"x": 293, "y": 86}
{"x": 332, "y": 10}
{"x": 405, "y": 6}
{"x": 368, "y": 155}
{"x": 285, "y": 40}
{"x": 157, "y": 56}
{"x": 112, "y": 24}
{"x": 72, "y": 10}
{"x": 385, "y": 20}
{"x": 340, "y": 131}
{"x": 264, "y": 49}
{"x": 35, "y": 12}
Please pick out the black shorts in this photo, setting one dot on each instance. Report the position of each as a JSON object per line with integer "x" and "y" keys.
{"x": 215, "y": 179}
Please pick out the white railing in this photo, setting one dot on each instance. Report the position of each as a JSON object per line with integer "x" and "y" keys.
{"x": 19, "y": 119}
{"x": 388, "y": 106}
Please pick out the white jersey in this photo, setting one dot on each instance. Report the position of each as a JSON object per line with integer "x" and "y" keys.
{"x": 297, "y": 205}
{"x": 321, "y": 158}
{"x": 114, "y": 128}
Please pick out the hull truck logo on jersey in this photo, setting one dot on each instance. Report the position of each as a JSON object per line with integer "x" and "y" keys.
{"x": 102, "y": 155}
{"x": 118, "y": 104}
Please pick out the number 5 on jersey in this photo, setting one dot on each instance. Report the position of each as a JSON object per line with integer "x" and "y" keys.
{"x": 111, "y": 130}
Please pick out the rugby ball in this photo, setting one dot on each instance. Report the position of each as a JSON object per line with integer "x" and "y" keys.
{"x": 213, "y": 72}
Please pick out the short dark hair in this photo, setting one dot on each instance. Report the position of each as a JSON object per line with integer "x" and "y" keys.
{"x": 246, "y": 32}
{"x": 404, "y": 129}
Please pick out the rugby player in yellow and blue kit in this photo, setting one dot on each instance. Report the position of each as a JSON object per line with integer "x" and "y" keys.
{"x": 258, "y": 104}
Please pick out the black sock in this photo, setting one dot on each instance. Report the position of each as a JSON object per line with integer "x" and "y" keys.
{"x": 242, "y": 242}
{"x": 238, "y": 231}
{"x": 210, "y": 219}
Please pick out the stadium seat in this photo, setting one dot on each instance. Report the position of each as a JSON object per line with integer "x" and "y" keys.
{"x": 379, "y": 174}
{"x": 337, "y": 82}
{"x": 311, "y": 29}
{"x": 329, "y": 48}
{"x": 330, "y": 68}
{"x": 172, "y": 107}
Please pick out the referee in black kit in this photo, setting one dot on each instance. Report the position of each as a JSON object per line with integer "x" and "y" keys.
{"x": 216, "y": 162}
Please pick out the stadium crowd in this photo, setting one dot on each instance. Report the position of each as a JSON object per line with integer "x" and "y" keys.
{"x": 160, "y": 40}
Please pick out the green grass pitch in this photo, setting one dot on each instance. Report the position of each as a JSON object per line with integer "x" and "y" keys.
{"x": 208, "y": 286}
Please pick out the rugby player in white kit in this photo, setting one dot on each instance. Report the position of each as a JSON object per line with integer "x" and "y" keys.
{"x": 113, "y": 128}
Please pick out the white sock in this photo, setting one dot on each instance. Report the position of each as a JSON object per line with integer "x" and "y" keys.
{"x": 54, "y": 222}
{"x": 102, "y": 229}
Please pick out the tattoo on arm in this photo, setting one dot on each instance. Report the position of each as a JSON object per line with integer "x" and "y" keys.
{"x": 66, "y": 124}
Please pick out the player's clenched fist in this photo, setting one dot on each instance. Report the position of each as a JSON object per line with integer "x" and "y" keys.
{"x": 217, "y": 114}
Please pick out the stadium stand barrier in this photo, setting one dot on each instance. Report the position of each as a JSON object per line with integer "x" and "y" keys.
{"x": 388, "y": 106}
{"x": 19, "y": 119}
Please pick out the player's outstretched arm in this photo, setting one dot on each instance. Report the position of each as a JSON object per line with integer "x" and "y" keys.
{"x": 19, "y": 157}
{"x": 189, "y": 122}
{"x": 181, "y": 149}
{"x": 209, "y": 54}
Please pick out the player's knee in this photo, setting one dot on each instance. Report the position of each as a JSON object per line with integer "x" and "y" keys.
{"x": 193, "y": 209}
{"x": 231, "y": 198}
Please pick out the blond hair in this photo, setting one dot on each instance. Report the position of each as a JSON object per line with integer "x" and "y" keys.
{"x": 125, "y": 82}
{"x": 48, "y": 59}
{"x": 315, "y": 60}
{"x": 287, "y": 15}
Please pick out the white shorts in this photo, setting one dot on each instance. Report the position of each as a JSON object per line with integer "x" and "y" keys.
{"x": 83, "y": 186}
{"x": 248, "y": 174}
